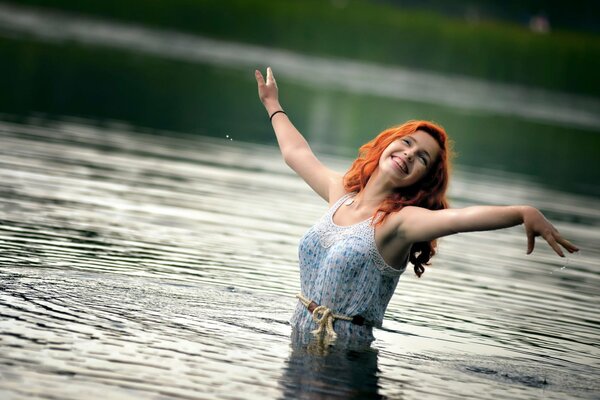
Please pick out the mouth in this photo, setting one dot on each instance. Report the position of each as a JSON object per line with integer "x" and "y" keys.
{"x": 400, "y": 163}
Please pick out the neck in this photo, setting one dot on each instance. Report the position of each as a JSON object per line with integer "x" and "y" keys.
{"x": 375, "y": 191}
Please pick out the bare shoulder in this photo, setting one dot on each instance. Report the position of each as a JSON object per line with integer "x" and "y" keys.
{"x": 407, "y": 213}
{"x": 409, "y": 210}
{"x": 419, "y": 224}
{"x": 409, "y": 221}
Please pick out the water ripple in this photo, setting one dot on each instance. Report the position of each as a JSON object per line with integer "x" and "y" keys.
{"x": 137, "y": 265}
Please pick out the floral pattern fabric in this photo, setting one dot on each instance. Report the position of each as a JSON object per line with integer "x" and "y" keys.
{"x": 342, "y": 269}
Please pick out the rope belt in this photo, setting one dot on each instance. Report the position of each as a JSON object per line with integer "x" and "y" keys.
{"x": 324, "y": 317}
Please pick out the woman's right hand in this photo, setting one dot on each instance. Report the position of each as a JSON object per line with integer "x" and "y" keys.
{"x": 267, "y": 90}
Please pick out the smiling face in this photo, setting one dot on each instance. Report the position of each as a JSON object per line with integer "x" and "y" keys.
{"x": 408, "y": 159}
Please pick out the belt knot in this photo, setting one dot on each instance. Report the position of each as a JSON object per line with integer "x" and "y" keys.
{"x": 323, "y": 317}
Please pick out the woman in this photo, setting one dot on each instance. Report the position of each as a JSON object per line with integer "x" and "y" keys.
{"x": 388, "y": 209}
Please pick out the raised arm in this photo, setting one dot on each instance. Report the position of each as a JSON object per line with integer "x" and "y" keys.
{"x": 417, "y": 224}
{"x": 294, "y": 148}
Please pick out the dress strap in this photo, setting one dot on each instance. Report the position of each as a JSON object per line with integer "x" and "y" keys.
{"x": 340, "y": 201}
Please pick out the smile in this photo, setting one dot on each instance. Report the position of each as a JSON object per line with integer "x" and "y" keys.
{"x": 400, "y": 163}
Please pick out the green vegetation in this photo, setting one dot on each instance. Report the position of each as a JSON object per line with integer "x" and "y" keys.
{"x": 101, "y": 84}
{"x": 373, "y": 32}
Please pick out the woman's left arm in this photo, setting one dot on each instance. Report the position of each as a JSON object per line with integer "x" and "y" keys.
{"x": 419, "y": 225}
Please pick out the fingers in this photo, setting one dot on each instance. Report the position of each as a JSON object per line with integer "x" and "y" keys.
{"x": 555, "y": 240}
{"x": 553, "y": 243}
{"x": 570, "y": 247}
{"x": 259, "y": 77}
{"x": 530, "y": 242}
{"x": 271, "y": 77}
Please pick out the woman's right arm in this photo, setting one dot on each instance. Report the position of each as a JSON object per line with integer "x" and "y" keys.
{"x": 294, "y": 148}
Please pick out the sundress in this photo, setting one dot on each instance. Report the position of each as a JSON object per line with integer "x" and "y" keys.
{"x": 342, "y": 269}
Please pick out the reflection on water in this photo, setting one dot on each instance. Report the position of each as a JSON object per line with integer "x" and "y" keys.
{"x": 315, "y": 370}
{"x": 141, "y": 266}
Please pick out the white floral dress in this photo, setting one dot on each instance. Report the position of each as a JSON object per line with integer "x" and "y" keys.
{"x": 342, "y": 269}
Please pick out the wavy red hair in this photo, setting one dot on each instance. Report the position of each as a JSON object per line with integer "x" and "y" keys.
{"x": 429, "y": 192}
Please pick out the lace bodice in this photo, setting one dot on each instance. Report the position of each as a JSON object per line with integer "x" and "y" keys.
{"x": 329, "y": 232}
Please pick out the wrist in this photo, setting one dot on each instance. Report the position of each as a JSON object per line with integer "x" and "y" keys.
{"x": 275, "y": 113}
{"x": 526, "y": 211}
{"x": 272, "y": 106}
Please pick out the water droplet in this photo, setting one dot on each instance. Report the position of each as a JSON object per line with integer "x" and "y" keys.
{"x": 569, "y": 258}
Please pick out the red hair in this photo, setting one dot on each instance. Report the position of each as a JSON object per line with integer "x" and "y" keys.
{"x": 429, "y": 192}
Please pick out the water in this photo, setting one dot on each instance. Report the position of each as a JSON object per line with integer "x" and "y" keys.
{"x": 138, "y": 265}
{"x": 58, "y": 64}
{"x": 145, "y": 263}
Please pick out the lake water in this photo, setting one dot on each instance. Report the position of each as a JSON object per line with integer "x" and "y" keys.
{"x": 137, "y": 261}
{"x": 138, "y": 265}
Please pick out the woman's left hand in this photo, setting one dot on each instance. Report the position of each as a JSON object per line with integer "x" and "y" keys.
{"x": 537, "y": 225}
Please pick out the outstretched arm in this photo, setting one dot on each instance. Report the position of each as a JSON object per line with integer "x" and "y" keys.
{"x": 419, "y": 225}
{"x": 294, "y": 148}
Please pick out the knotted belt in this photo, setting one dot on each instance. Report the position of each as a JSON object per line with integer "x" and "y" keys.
{"x": 324, "y": 317}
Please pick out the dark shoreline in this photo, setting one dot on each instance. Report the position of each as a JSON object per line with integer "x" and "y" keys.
{"x": 491, "y": 50}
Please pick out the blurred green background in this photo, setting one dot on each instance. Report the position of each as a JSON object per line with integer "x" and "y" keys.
{"x": 524, "y": 74}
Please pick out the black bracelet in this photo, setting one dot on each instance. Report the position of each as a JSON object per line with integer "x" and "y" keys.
{"x": 272, "y": 115}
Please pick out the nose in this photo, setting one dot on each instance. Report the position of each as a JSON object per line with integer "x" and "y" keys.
{"x": 409, "y": 153}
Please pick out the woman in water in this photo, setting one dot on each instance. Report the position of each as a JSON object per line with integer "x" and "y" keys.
{"x": 388, "y": 209}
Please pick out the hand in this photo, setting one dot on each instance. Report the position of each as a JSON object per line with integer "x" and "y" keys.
{"x": 267, "y": 91}
{"x": 537, "y": 225}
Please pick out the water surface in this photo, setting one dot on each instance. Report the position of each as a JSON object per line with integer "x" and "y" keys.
{"x": 155, "y": 265}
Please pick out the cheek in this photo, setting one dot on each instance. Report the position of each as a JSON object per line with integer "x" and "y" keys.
{"x": 421, "y": 170}
{"x": 420, "y": 174}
